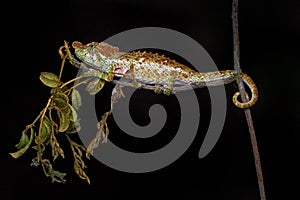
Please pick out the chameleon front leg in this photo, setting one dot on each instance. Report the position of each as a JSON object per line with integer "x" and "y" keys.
{"x": 128, "y": 79}
{"x": 166, "y": 89}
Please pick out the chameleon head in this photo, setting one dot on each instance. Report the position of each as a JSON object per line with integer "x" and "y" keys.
{"x": 88, "y": 53}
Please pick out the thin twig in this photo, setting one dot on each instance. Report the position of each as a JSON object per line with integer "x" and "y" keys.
{"x": 39, "y": 133}
{"x": 70, "y": 81}
{"x": 236, "y": 55}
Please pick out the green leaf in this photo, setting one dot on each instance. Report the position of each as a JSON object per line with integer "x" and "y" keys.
{"x": 46, "y": 129}
{"x": 61, "y": 100}
{"x": 49, "y": 79}
{"x": 36, "y": 147}
{"x": 76, "y": 99}
{"x": 23, "y": 141}
{"x": 23, "y": 149}
{"x": 95, "y": 86}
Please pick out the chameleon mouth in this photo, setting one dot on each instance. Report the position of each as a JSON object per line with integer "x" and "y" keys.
{"x": 120, "y": 70}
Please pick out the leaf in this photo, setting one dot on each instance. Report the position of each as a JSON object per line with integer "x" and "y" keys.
{"x": 95, "y": 86}
{"x": 78, "y": 168}
{"x": 62, "y": 107}
{"x": 74, "y": 127}
{"x": 55, "y": 176}
{"x": 61, "y": 100}
{"x": 49, "y": 79}
{"x": 23, "y": 141}
{"x": 35, "y": 162}
{"x": 36, "y": 147}
{"x": 76, "y": 99}
{"x": 79, "y": 164}
{"x": 56, "y": 149}
{"x": 46, "y": 129}
{"x": 64, "y": 118}
{"x": 74, "y": 115}
{"x": 24, "y": 149}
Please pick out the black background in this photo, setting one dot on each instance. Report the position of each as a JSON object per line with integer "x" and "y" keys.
{"x": 269, "y": 54}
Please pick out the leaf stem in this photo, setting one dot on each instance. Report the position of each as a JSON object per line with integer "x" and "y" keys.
{"x": 34, "y": 121}
{"x": 75, "y": 86}
{"x": 70, "y": 81}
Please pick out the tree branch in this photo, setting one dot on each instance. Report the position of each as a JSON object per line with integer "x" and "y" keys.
{"x": 236, "y": 58}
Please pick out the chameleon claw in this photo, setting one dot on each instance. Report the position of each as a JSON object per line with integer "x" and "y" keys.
{"x": 167, "y": 91}
{"x": 158, "y": 90}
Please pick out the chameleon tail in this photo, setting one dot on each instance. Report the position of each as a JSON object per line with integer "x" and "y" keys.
{"x": 254, "y": 93}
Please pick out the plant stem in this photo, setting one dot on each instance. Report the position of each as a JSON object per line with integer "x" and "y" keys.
{"x": 75, "y": 86}
{"x": 34, "y": 121}
{"x": 62, "y": 67}
{"x": 236, "y": 57}
{"x": 40, "y": 129}
{"x": 70, "y": 81}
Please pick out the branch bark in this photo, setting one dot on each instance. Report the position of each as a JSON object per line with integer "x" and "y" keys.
{"x": 236, "y": 58}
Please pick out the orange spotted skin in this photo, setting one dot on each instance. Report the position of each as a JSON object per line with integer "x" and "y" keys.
{"x": 156, "y": 69}
{"x": 153, "y": 69}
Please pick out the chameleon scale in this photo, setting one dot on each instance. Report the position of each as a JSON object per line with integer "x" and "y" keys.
{"x": 158, "y": 71}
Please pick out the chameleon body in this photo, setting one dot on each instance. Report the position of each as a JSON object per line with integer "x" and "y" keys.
{"x": 156, "y": 71}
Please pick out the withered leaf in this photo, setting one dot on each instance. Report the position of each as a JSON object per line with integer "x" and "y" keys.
{"x": 55, "y": 176}
{"x": 62, "y": 107}
{"x": 80, "y": 172}
{"x": 24, "y": 149}
{"x": 95, "y": 85}
{"x": 23, "y": 141}
{"x": 49, "y": 79}
{"x": 64, "y": 118}
{"x": 56, "y": 149}
{"x": 74, "y": 127}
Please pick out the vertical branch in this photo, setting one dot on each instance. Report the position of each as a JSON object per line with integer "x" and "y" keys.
{"x": 236, "y": 57}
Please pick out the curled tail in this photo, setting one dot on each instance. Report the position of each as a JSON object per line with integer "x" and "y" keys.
{"x": 254, "y": 93}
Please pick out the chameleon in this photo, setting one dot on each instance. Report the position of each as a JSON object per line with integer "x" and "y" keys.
{"x": 153, "y": 71}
